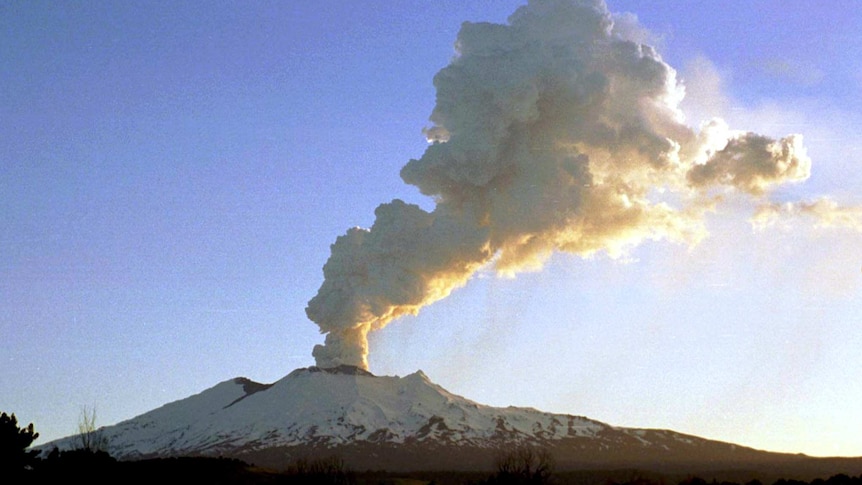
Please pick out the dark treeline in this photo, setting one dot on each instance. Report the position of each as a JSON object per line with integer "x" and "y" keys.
{"x": 839, "y": 479}
{"x": 96, "y": 469}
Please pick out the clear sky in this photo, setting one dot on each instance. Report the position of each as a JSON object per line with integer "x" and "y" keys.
{"x": 172, "y": 177}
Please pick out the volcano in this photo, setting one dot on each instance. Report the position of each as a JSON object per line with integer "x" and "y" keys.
{"x": 400, "y": 424}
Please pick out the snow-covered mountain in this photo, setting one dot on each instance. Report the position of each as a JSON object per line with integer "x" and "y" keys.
{"x": 386, "y": 422}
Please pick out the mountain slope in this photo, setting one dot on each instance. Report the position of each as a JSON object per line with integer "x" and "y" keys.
{"x": 391, "y": 422}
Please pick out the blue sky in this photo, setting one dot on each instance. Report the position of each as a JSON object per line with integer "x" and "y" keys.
{"x": 173, "y": 176}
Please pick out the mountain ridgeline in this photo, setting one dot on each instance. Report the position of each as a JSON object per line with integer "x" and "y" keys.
{"x": 409, "y": 423}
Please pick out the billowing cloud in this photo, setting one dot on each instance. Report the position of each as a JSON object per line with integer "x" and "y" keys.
{"x": 753, "y": 163}
{"x": 823, "y": 212}
{"x": 554, "y": 132}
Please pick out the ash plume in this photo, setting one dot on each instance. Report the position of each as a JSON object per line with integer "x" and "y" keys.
{"x": 554, "y": 132}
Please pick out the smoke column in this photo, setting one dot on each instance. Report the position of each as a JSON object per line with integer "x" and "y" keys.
{"x": 553, "y": 132}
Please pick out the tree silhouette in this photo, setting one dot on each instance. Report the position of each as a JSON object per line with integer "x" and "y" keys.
{"x": 320, "y": 471}
{"x": 523, "y": 465}
{"x": 14, "y": 441}
{"x": 90, "y": 438}
{"x": 86, "y": 460}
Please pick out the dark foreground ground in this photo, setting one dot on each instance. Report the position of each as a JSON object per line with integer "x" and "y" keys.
{"x": 95, "y": 469}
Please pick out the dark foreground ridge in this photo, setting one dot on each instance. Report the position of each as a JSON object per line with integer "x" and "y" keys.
{"x": 97, "y": 468}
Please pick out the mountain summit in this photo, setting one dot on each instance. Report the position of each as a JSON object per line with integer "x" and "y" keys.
{"x": 389, "y": 422}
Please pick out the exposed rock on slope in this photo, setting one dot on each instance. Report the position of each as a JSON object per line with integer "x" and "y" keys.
{"x": 394, "y": 423}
